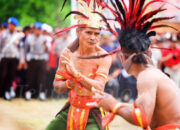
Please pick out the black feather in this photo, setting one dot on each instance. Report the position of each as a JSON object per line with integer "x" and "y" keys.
{"x": 150, "y": 14}
{"x": 140, "y": 7}
{"x": 121, "y": 9}
{"x": 76, "y": 12}
{"x": 147, "y": 25}
{"x": 117, "y": 12}
{"x": 159, "y": 26}
{"x": 105, "y": 20}
{"x": 63, "y": 4}
{"x": 152, "y": 33}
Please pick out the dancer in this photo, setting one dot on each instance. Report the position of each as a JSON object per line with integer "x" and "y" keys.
{"x": 157, "y": 105}
{"x": 77, "y": 76}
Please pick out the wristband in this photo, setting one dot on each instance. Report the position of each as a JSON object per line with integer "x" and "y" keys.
{"x": 79, "y": 77}
{"x": 116, "y": 108}
{"x": 67, "y": 84}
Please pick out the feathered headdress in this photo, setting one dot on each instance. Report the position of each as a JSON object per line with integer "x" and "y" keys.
{"x": 86, "y": 14}
{"x": 136, "y": 23}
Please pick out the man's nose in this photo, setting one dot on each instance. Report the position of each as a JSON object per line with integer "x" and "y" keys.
{"x": 93, "y": 37}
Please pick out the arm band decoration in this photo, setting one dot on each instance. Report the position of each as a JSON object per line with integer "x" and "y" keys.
{"x": 68, "y": 85}
{"x": 114, "y": 109}
{"x": 139, "y": 117}
{"x": 59, "y": 77}
{"x": 67, "y": 76}
{"x": 94, "y": 74}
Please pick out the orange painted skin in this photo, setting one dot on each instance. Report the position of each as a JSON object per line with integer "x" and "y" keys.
{"x": 89, "y": 39}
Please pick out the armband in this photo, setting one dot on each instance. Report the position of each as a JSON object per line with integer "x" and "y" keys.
{"x": 94, "y": 74}
{"x": 116, "y": 107}
{"x": 102, "y": 75}
{"x": 59, "y": 77}
{"x": 67, "y": 84}
{"x": 108, "y": 118}
{"x": 139, "y": 117}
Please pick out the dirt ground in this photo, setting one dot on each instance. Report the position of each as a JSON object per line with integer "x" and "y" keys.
{"x": 19, "y": 114}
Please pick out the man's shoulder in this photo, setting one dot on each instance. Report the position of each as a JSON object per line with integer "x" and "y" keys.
{"x": 149, "y": 75}
{"x": 101, "y": 51}
{"x": 5, "y": 33}
{"x": 29, "y": 36}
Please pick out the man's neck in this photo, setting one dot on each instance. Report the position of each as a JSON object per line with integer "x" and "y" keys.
{"x": 11, "y": 31}
{"x": 86, "y": 51}
{"x": 135, "y": 69}
{"x": 37, "y": 35}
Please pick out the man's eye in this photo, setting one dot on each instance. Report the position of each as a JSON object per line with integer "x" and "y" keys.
{"x": 88, "y": 32}
{"x": 96, "y": 34}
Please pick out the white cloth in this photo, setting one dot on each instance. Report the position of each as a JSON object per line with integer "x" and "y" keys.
{"x": 175, "y": 75}
{"x": 60, "y": 44}
{"x": 9, "y": 44}
{"x": 36, "y": 47}
{"x": 156, "y": 56}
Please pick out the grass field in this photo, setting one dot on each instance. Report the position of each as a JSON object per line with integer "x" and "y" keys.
{"x": 19, "y": 114}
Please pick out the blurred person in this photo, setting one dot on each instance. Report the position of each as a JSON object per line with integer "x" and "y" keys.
{"x": 112, "y": 86}
{"x": 122, "y": 84}
{"x": 156, "y": 53}
{"x": 52, "y": 62}
{"x": 106, "y": 42}
{"x": 157, "y": 105}
{"x": 10, "y": 56}
{"x": 171, "y": 60}
{"x": 61, "y": 42}
{"x": 3, "y": 26}
{"x": 77, "y": 76}
{"x": 115, "y": 42}
{"x": 20, "y": 80}
{"x": 36, "y": 49}
{"x": 51, "y": 71}
{"x": 47, "y": 31}
{"x": 178, "y": 39}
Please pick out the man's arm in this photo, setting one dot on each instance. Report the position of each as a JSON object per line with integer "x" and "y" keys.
{"x": 87, "y": 82}
{"x": 146, "y": 99}
{"x": 59, "y": 86}
{"x": 99, "y": 81}
{"x": 147, "y": 88}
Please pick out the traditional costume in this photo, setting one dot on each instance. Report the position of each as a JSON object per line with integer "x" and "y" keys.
{"x": 136, "y": 27}
{"x": 75, "y": 115}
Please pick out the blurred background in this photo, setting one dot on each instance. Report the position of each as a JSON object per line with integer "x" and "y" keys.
{"x": 29, "y": 55}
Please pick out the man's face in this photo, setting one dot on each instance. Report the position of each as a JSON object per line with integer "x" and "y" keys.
{"x": 37, "y": 31}
{"x": 88, "y": 36}
{"x": 11, "y": 27}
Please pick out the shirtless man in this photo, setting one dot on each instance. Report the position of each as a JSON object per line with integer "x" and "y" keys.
{"x": 69, "y": 62}
{"x": 157, "y": 105}
{"x": 77, "y": 76}
{"x": 157, "y": 95}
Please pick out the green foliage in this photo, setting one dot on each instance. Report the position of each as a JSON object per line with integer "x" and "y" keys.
{"x": 30, "y": 11}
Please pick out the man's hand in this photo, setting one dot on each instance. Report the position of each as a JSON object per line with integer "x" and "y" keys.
{"x": 65, "y": 59}
{"x": 106, "y": 100}
{"x": 20, "y": 66}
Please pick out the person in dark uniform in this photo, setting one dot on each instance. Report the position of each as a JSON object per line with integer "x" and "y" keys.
{"x": 10, "y": 56}
{"x": 36, "y": 49}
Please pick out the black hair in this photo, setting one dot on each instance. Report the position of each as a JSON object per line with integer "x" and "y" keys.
{"x": 26, "y": 28}
{"x": 133, "y": 41}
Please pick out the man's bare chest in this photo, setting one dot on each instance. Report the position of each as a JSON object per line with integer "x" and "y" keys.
{"x": 84, "y": 66}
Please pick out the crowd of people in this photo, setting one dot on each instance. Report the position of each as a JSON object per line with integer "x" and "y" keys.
{"x": 29, "y": 59}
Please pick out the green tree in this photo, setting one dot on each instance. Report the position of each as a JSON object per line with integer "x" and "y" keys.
{"x": 30, "y": 11}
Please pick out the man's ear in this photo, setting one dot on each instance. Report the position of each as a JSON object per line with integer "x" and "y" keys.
{"x": 78, "y": 31}
{"x": 122, "y": 58}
